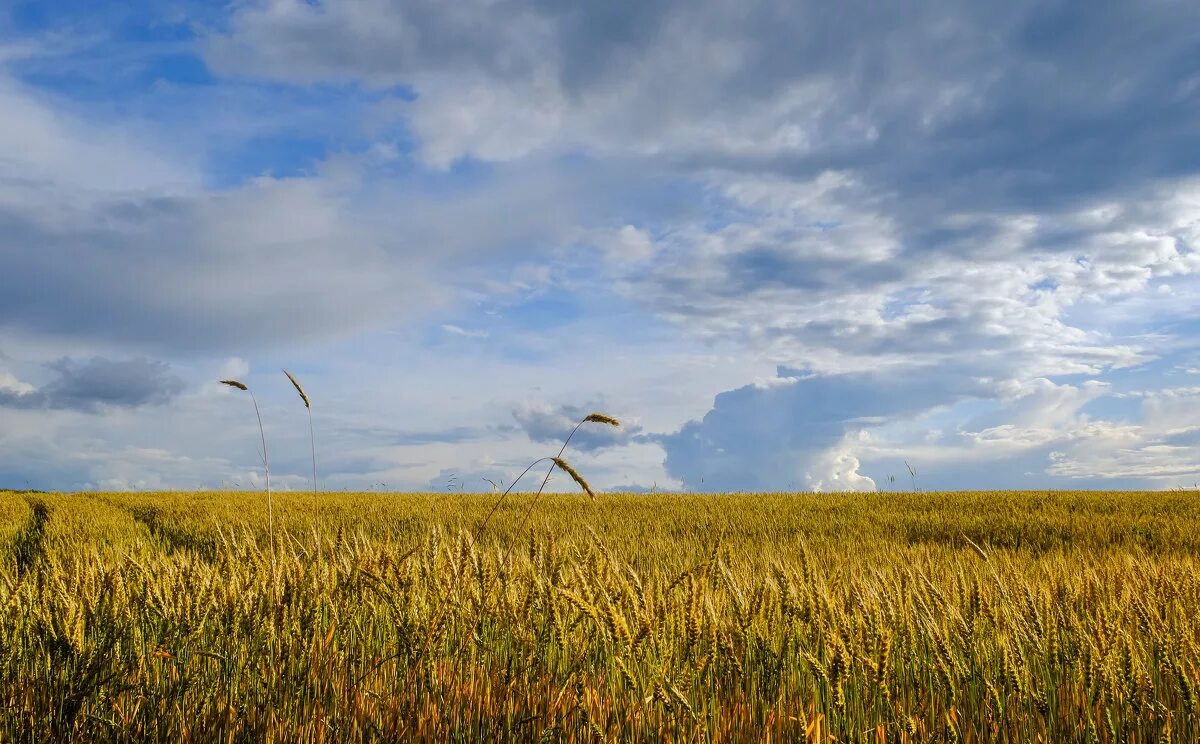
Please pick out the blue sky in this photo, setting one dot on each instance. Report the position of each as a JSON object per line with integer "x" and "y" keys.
{"x": 792, "y": 245}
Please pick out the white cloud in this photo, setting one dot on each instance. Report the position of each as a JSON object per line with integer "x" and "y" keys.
{"x": 837, "y": 470}
{"x": 233, "y": 368}
{"x": 10, "y": 385}
{"x": 40, "y": 142}
{"x": 460, "y": 331}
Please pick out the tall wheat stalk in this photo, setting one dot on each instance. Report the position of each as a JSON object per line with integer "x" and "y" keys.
{"x": 591, "y": 418}
{"x": 312, "y": 442}
{"x": 556, "y": 461}
{"x": 266, "y": 472}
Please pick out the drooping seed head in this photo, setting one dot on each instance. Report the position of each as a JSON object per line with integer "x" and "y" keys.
{"x": 296, "y": 384}
{"x": 234, "y": 383}
{"x": 602, "y": 418}
{"x": 575, "y": 476}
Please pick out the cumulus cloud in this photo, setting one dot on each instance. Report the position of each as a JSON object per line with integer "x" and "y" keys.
{"x": 1161, "y": 446}
{"x": 795, "y": 430}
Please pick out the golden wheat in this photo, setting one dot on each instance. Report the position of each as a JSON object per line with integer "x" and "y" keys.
{"x": 811, "y": 617}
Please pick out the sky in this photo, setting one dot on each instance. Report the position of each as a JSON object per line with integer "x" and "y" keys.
{"x": 791, "y": 245}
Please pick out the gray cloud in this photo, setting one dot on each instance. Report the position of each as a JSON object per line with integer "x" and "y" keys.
{"x": 552, "y": 425}
{"x": 889, "y": 185}
{"x": 162, "y": 268}
{"x": 1014, "y": 105}
{"x": 98, "y": 383}
{"x": 191, "y": 272}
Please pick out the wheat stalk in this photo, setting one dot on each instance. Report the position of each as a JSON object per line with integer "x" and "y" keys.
{"x": 266, "y": 471}
{"x": 592, "y": 418}
{"x": 299, "y": 389}
{"x": 312, "y": 442}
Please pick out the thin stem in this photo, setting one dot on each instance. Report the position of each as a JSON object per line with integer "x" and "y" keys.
{"x": 312, "y": 440}
{"x": 267, "y": 472}
{"x": 507, "y": 491}
{"x": 538, "y": 495}
{"x": 529, "y": 511}
{"x": 561, "y": 450}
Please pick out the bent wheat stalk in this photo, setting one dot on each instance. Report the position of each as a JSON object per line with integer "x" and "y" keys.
{"x": 556, "y": 461}
{"x": 592, "y": 418}
{"x": 266, "y": 471}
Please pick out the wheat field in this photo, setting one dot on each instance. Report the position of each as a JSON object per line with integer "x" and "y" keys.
{"x": 873, "y": 617}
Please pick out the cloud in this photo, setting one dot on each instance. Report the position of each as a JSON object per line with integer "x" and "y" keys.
{"x": 882, "y": 186}
{"x": 95, "y": 384}
{"x": 552, "y": 425}
{"x": 190, "y": 271}
{"x": 1010, "y": 104}
{"x": 806, "y": 275}
{"x": 464, "y": 332}
{"x": 1161, "y": 446}
{"x": 157, "y": 261}
{"x": 796, "y": 430}
{"x": 41, "y": 141}
{"x": 13, "y": 388}
{"x": 1044, "y": 435}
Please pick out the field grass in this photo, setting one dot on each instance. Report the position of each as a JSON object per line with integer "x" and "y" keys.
{"x": 738, "y": 617}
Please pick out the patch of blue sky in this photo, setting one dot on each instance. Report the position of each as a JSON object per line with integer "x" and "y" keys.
{"x": 275, "y": 155}
{"x": 131, "y": 62}
{"x": 81, "y": 46}
{"x": 1179, "y": 327}
{"x": 1116, "y": 409}
{"x": 542, "y": 311}
{"x": 1180, "y": 368}
{"x": 538, "y": 325}
{"x": 94, "y": 76}
{"x": 282, "y": 131}
{"x": 898, "y": 303}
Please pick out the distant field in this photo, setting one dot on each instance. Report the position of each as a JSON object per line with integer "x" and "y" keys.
{"x": 736, "y": 617}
